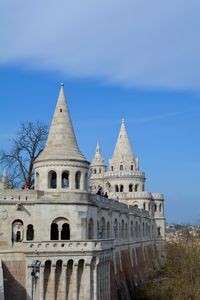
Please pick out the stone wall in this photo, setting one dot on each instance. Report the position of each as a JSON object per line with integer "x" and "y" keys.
{"x": 14, "y": 273}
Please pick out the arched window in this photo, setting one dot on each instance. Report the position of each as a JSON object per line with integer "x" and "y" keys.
{"x": 65, "y": 180}
{"x": 65, "y": 232}
{"x": 143, "y": 229}
{"x": 126, "y": 231}
{"x": 131, "y": 167}
{"x": 121, "y": 188}
{"x": 132, "y": 232}
{"x": 78, "y": 180}
{"x": 52, "y": 180}
{"x": 121, "y": 167}
{"x": 37, "y": 180}
{"x": 136, "y": 229}
{"x": 98, "y": 231}
{"x": 122, "y": 230}
{"x": 112, "y": 168}
{"x": 17, "y": 231}
{"x": 86, "y": 181}
{"x": 91, "y": 229}
{"x": 130, "y": 187}
{"x": 160, "y": 207}
{"x": 95, "y": 171}
{"x": 116, "y": 228}
{"x": 108, "y": 230}
{"x": 136, "y": 187}
{"x": 99, "y": 170}
{"x": 54, "y": 232}
{"x": 144, "y": 206}
{"x": 30, "y": 233}
{"x": 103, "y": 228}
{"x": 159, "y": 231}
{"x": 116, "y": 188}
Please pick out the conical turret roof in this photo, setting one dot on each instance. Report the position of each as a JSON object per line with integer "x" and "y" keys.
{"x": 123, "y": 145}
{"x": 61, "y": 142}
{"x": 98, "y": 158}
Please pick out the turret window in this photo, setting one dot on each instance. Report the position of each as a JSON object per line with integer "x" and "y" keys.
{"x": 30, "y": 233}
{"x": 136, "y": 187}
{"x": 116, "y": 188}
{"x": 112, "y": 168}
{"x": 131, "y": 167}
{"x": 65, "y": 179}
{"x": 130, "y": 188}
{"x": 78, "y": 180}
{"x": 121, "y": 188}
{"x": 52, "y": 180}
{"x": 121, "y": 167}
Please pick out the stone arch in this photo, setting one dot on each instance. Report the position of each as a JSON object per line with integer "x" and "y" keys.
{"x": 121, "y": 188}
{"x": 103, "y": 228}
{"x": 116, "y": 188}
{"x": 116, "y": 229}
{"x": 69, "y": 283}
{"x": 47, "y": 272}
{"x": 108, "y": 230}
{"x": 80, "y": 287}
{"x": 122, "y": 229}
{"x": 17, "y": 231}
{"x": 60, "y": 229}
{"x": 65, "y": 179}
{"x": 132, "y": 230}
{"x": 86, "y": 181}
{"x": 78, "y": 180}
{"x": 130, "y": 188}
{"x": 58, "y": 280}
{"x": 30, "y": 233}
{"x": 52, "y": 180}
{"x": 91, "y": 229}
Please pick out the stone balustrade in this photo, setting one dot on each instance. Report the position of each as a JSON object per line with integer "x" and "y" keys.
{"x": 124, "y": 173}
{"x": 19, "y": 195}
{"x": 68, "y": 246}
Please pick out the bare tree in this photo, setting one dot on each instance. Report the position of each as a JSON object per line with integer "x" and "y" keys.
{"x": 24, "y": 149}
{"x": 179, "y": 277}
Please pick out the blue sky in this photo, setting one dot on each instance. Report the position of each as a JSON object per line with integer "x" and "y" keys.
{"x": 136, "y": 60}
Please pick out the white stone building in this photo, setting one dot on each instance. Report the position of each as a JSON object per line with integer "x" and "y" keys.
{"x": 88, "y": 246}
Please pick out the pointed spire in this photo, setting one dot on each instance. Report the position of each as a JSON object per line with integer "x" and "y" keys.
{"x": 98, "y": 158}
{"x": 61, "y": 143}
{"x": 123, "y": 145}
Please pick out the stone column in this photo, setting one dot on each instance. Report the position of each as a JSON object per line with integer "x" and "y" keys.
{"x": 63, "y": 283}
{"x": 72, "y": 180}
{"x": 86, "y": 282}
{"x": 59, "y": 179}
{"x": 74, "y": 282}
{"x": 51, "y": 287}
{"x": 41, "y": 283}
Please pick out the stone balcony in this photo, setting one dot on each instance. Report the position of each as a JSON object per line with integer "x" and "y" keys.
{"x": 68, "y": 246}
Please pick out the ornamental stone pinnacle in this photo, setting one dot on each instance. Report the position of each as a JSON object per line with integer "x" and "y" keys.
{"x": 98, "y": 158}
{"x": 61, "y": 143}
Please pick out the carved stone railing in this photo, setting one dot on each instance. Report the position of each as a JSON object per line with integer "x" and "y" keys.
{"x": 68, "y": 246}
{"x": 124, "y": 173}
{"x": 19, "y": 195}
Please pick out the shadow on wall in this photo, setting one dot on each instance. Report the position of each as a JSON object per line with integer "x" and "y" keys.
{"x": 13, "y": 290}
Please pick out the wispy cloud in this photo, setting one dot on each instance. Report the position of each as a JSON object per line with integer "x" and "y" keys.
{"x": 151, "y": 44}
{"x": 154, "y": 118}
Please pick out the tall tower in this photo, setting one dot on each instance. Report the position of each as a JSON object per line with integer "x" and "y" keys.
{"x": 97, "y": 169}
{"x": 61, "y": 166}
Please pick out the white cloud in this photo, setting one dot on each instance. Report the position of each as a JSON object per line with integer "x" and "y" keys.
{"x": 148, "y": 44}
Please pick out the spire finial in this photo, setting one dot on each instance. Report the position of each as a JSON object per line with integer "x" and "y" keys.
{"x": 62, "y": 84}
{"x": 123, "y": 121}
